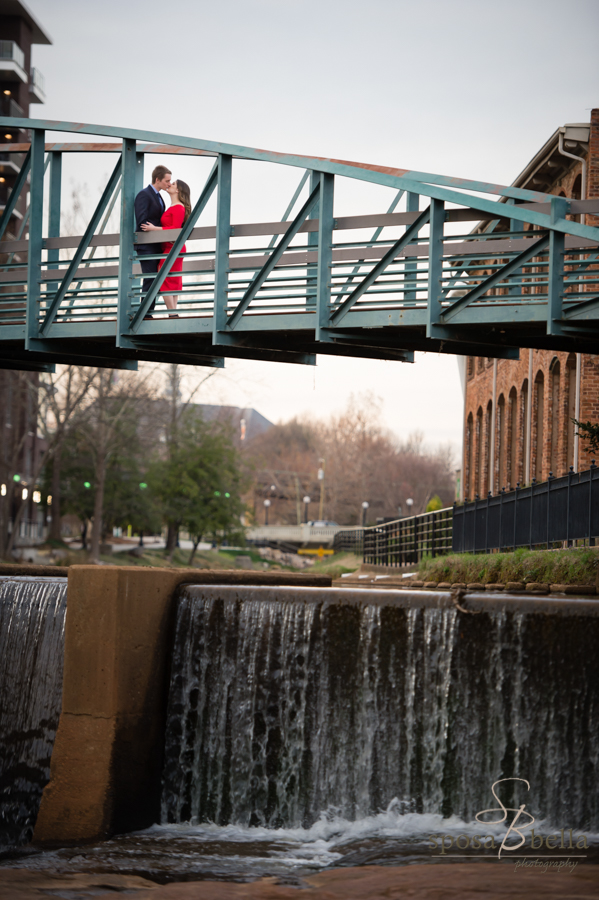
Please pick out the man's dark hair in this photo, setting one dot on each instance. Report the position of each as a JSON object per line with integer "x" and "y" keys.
{"x": 159, "y": 173}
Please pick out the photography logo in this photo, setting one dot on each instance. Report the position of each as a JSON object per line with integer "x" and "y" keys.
{"x": 516, "y": 837}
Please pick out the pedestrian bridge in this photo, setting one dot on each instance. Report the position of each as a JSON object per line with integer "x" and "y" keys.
{"x": 444, "y": 264}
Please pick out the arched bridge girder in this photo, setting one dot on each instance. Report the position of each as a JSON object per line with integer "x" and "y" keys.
{"x": 464, "y": 267}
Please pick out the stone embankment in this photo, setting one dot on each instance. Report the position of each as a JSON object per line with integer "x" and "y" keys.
{"x": 381, "y": 577}
{"x": 457, "y": 881}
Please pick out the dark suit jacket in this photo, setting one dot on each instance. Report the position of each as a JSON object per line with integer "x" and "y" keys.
{"x": 148, "y": 208}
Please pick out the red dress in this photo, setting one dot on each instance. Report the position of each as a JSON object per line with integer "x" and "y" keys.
{"x": 172, "y": 218}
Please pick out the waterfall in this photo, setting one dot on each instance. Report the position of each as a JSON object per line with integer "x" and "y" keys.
{"x": 32, "y": 614}
{"x": 285, "y": 703}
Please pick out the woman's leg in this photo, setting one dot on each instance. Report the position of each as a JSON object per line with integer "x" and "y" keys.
{"x": 170, "y": 301}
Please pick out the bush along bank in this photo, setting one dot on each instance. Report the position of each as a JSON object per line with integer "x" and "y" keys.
{"x": 570, "y": 571}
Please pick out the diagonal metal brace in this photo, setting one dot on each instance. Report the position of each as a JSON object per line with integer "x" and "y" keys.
{"x": 494, "y": 279}
{"x": 273, "y": 259}
{"x": 388, "y": 258}
{"x": 586, "y": 306}
{"x": 14, "y": 194}
{"x": 174, "y": 251}
{"x": 80, "y": 252}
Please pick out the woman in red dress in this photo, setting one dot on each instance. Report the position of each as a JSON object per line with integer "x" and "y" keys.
{"x": 173, "y": 217}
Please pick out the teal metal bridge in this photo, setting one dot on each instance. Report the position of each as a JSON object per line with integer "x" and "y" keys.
{"x": 452, "y": 266}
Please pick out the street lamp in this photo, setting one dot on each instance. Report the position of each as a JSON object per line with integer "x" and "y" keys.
{"x": 410, "y": 504}
{"x": 306, "y": 504}
{"x": 365, "y": 506}
{"x": 266, "y": 505}
{"x": 321, "y": 479}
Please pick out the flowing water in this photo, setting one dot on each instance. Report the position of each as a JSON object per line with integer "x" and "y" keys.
{"x": 32, "y": 614}
{"x": 309, "y": 729}
{"x": 286, "y": 704}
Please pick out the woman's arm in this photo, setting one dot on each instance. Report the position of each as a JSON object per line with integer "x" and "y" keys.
{"x": 147, "y": 226}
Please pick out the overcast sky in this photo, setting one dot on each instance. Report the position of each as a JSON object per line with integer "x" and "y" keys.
{"x": 459, "y": 87}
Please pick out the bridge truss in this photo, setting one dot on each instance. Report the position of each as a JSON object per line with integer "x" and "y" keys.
{"x": 453, "y": 265}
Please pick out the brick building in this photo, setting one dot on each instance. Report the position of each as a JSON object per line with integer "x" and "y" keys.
{"x": 20, "y": 445}
{"x": 518, "y": 413}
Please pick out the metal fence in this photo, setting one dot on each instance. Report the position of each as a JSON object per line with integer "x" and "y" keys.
{"x": 405, "y": 541}
{"x": 555, "y": 511}
{"x": 349, "y": 540}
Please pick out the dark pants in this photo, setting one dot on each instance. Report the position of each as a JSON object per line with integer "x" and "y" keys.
{"x": 148, "y": 267}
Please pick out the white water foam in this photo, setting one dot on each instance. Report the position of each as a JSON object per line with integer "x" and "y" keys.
{"x": 328, "y": 840}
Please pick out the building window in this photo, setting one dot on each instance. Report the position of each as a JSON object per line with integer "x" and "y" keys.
{"x": 571, "y": 407}
{"x": 501, "y": 442}
{"x": 479, "y": 452}
{"x": 524, "y": 428}
{"x": 539, "y": 399}
{"x": 481, "y": 363}
{"x": 487, "y": 476}
{"x": 512, "y": 475}
{"x": 470, "y": 367}
{"x": 469, "y": 473}
{"x": 555, "y": 416}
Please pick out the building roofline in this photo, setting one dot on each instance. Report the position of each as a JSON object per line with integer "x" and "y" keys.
{"x": 18, "y": 8}
{"x": 546, "y": 150}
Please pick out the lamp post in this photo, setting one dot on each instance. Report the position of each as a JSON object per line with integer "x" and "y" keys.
{"x": 306, "y": 505}
{"x": 410, "y": 504}
{"x": 365, "y": 506}
{"x": 266, "y": 505}
{"x": 321, "y": 479}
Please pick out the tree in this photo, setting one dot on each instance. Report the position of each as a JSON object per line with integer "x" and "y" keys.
{"x": 364, "y": 462}
{"x": 53, "y": 402}
{"x": 199, "y": 484}
{"x": 106, "y": 427}
{"x": 174, "y": 412}
{"x": 60, "y": 399}
{"x": 588, "y": 431}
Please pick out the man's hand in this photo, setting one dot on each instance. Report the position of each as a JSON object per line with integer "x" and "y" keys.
{"x": 147, "y": 226}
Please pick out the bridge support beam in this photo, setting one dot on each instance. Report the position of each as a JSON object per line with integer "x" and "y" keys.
{"x": 126, "y": 248}
{"x": 223, "y": 238}
{"x": 435, "y": 268}
{"x": 325, "y": 256}
{"x": 34, "y": 251}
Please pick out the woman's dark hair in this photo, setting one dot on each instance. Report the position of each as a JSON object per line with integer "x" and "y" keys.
{"x": 184, "y": 198}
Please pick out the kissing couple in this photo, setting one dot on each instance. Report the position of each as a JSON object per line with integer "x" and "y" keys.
{"x": 152, "y": 215}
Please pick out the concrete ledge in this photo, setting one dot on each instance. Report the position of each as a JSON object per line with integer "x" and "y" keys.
{"x": 44, "y": 571}
{"x": 107, "y": 759}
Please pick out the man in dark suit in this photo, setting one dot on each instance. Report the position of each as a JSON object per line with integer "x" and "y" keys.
{"x": 149, "y": 207}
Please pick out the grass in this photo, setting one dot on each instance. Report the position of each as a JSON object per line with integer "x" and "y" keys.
{"x": 576, "y": 566}
{"x": 336, "y": 565}
{"x": 223, "y": 558}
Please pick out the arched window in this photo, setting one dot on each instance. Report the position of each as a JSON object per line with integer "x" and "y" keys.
{"x": 487, "y": 474}
{"x": 571, "y": 407}
{"x": 555, "y": 415}
{"x": 576, "y": 195}
{"x": 539, "y": 414}
{"x": 469, "y": 461}
{"x": 501, "y": 428}
{"x": 524, "y": 428}
{"x": 512, "y": 475}
{"x": 478, "y": 486}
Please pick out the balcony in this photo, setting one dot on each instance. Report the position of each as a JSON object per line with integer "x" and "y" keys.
{"x": 11, "y": 108}
{"x": 12, "y": 62}
{"x": 37, "y": 87}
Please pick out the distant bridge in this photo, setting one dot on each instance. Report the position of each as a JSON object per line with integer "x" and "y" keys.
{"x": 454, "y": 265}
